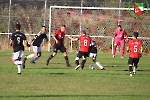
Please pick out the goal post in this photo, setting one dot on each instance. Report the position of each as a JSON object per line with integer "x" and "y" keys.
{"x": 99, "y": 22}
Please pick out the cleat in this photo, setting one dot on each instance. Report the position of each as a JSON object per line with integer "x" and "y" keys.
{"x": 24, "y": 61}
{"x": 113, "y": 56}
{"x": 77, "y": 67}
{"x": 19, "y": 73}
{"x": 68, "y": 65}
{"x": 47, "y": 62}
{"x": 130, "y": 75}
{"x": 103, "y": 69}
{"x": 121, "y": 57}
{"x": 32, "y": 62}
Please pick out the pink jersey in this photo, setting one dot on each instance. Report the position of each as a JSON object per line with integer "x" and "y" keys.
{"x": 120, "y": 34}
{"x": 85, "y": 43}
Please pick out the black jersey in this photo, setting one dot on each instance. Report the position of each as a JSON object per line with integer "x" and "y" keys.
{"x": 17, "y": 38}
{"x": 93, "y": 48}
{"x": 39, "y": 38}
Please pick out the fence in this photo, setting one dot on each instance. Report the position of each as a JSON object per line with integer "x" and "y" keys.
{"x": 99, "y": 23}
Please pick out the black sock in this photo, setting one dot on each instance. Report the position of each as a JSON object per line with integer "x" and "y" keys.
{"x": 77, "y": 62}
{"x": 50, "y": 58}
{"x": 130, "y": 69}
{"x": 82, "y": 64}
{"x": 67, "y": 60}
{"x": 136, "y": 66}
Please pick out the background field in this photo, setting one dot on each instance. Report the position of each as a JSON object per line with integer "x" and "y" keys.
{"x": 57, "y": 81}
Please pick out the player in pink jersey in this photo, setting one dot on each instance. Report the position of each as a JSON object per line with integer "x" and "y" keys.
{"x": 135, "y": 49}
{"x": 85, "y": 42}
{"x": 119, "y": 38}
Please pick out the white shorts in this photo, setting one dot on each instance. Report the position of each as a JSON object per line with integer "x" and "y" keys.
{"x": 93, "y": 55}
{"x": 36, "y": 49}
{"x": 17, "y": 55}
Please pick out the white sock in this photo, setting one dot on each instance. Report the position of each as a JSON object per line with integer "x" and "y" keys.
{"x": 30, "y": 56}
{"x": 19, "y": 68}
{"x": 99, "y": 65}
{"x": 18, "y": 62}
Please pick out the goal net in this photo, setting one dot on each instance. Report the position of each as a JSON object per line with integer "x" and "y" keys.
{"x": 99, "y": 22}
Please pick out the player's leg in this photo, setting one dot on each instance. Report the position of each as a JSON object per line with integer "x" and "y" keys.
{"x": 83, "y": 62}
{"x": 130, "y": 62}
{"x": 98, "y": 64}
{"x": 63, "y": 50}
{"x": 136, "y": 61}
{"x": 122, "y": 48}
{"x": 79, "y": 55}
{"x": 16, "y": 57}
{"x": 37, "y": 54}
{"x": 115, "y": 46}
{"x": 94, "y": 55}
{"x": 29, "y": 56}
{"x": 52, "y": 55}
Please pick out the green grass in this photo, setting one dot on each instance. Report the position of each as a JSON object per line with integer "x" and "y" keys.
{"x": 58, "y": 82}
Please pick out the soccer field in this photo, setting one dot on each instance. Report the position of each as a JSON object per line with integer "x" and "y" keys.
{"x": 58, "y": 82}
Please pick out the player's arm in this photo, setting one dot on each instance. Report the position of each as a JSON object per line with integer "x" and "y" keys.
{"x": 54, "y": 37}
{"x": 73, "y": 39}
{"x": 11, "y": 42}
{"x": 115, "y": 34}
{"x": 128, "y": 47}
{"x": 126, "y": 35}
{"x": 141, "y": 51}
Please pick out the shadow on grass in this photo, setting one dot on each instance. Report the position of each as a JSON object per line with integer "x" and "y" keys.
{"x": 57, "y": 96}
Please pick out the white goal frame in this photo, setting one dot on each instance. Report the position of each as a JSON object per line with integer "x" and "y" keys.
{"x": 73, "y": 7}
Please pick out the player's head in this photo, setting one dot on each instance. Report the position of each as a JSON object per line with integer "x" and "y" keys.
{"x": 43, "y": 29}
{"x": 62, "y": 28}
{"x": 119, "y": 27}
{"x": 17, "y": 26}
{"x": 83, "y": 32}
{"x": 135, "y": 34}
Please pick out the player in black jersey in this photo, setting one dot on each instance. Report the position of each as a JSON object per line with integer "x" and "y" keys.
{"x": 93, "y": 54}
{"x": 16, "y": 41}
{"x": 36, "y": 42}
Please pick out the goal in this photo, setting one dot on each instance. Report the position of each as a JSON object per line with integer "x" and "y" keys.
{"x": 99, "y": 22}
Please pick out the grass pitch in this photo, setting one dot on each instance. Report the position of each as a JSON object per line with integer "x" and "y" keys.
{"x": 58, "y": 82}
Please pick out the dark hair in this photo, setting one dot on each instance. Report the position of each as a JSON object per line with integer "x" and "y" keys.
{"x": 83, "y": 32}
{"x": 63, "y": 25}
{"x": 119, "y": 26}
{"x": 18, "y": 26}
{"x": 135, "y": 34}
{"x": 44, "y": 26}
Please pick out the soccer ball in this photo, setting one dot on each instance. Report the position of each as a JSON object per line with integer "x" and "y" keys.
{"x": 91, "y": 67}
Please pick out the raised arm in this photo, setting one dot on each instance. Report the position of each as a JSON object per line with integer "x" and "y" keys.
{"x": 73, "y": 39}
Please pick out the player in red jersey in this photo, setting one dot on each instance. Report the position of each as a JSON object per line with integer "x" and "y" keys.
{"x": 119, "y": 38}
{"x": 85, "y": 42}
{"x": 135, "y": 49}
{"x": 59, "y": 36}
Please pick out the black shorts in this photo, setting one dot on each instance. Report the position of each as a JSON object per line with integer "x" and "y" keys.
{"x": 62, "y": 48}
{"x": 80, "y": 54}
{"x": 134, "y": 61}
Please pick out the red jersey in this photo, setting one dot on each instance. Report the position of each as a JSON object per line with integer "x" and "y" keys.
{"x": 120, "y": 34}
{"x": 134, "y": 48}
{"x": 59, "y": 36}
{"x": 85, "y": 43}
